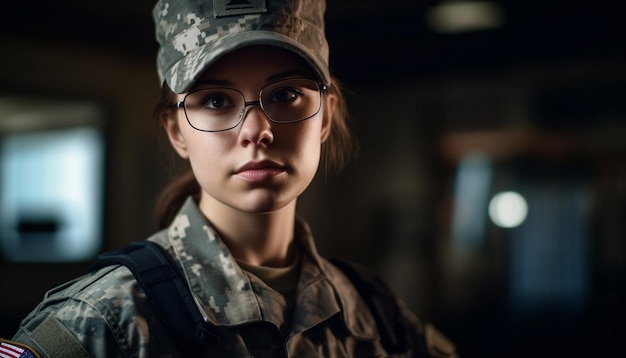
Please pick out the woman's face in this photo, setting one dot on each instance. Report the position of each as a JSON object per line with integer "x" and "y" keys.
{"x": 259, "y": 166}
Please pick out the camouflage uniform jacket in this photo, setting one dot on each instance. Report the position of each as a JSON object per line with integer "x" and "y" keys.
{"x": 106, "y": 313}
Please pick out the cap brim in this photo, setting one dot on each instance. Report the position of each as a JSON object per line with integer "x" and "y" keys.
{"x": 185, "y": 72}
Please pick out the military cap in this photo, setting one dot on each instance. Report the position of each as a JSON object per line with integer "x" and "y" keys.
{"x": 193, "y": 34}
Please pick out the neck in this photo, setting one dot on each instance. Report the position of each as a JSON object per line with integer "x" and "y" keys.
{"x": 257, "y": 239}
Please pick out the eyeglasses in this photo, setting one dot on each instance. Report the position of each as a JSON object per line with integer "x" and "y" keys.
{"x": 221, "y": 109}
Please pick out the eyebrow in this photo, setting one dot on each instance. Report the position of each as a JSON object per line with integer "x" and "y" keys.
{"x": 282, "y": 75}
{"x": 272, "y": 78}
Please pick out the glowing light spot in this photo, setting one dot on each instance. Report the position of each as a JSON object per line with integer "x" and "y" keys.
{"x": 508, "y": 209}
{"x": 462, "y": 16}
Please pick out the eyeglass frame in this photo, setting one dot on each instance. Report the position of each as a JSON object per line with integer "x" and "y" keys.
{"x": 181, "y": 104}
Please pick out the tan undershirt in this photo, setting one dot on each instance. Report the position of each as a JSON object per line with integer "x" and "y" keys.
{"x": 281, "y": 279}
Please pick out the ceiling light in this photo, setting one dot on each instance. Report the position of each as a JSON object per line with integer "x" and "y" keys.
{"x": 463, "y": 16}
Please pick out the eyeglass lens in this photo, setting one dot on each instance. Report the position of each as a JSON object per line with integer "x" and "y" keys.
{"x": 219, "y": 109}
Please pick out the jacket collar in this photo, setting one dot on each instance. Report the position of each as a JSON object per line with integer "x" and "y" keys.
{"x": 225, "y": 293}
{"x": 220, "y": 286}
{"x": 354, "y": 311}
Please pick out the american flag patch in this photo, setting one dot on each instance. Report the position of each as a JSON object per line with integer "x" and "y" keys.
{"x": 13, "y": 350}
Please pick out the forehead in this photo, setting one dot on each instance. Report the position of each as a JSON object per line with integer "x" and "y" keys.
{"x": 256, "y": 63}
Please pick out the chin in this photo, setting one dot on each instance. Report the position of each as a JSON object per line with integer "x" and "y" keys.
{"x": 261, "y": 204}
{"x": 263, "y": 208}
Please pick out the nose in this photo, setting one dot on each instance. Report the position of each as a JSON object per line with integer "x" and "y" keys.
{"x": 256, "y": 128}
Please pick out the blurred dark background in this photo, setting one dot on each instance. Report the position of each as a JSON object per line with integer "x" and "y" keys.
{"x": 453, "y": 103}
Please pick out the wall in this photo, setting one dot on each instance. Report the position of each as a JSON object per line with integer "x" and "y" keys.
{"x": 391, "y": 208}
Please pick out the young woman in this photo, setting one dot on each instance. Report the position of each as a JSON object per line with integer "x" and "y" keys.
{"x": 248, "y": 100}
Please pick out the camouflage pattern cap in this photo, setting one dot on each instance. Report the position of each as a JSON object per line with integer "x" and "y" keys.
{"x": 193, "y": 34}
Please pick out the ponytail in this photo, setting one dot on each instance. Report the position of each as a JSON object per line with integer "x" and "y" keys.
{"x": 173, "y": 197}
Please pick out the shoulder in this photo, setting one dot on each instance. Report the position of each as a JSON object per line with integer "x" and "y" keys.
{"x": 97, "y": 312}
{"x": 99, "y": 294}
{"x": 400, "y": 330}
{"x": 104, "y": 290}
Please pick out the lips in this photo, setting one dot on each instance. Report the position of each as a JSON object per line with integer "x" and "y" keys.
{"x": 259, "y": 170}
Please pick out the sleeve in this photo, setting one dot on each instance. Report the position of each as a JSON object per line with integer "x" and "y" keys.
{"x": 103, "y": 314}
{"x": 16, "y": 349}
{"x": 436, "y": 344}
{"x": 75, "y": 329}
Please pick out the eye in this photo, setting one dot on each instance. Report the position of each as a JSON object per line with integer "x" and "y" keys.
{"x": 216, "y": 101}
{"x": 286, "y": 94}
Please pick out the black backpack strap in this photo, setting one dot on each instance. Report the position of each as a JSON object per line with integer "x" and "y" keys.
{"x": 168, "y": 294}
{"x": 395, "y": 330}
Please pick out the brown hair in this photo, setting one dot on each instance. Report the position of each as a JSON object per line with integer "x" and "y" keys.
{"x": 340, "y": 147}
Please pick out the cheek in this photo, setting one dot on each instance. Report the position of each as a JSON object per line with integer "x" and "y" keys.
{"x": 305, "y": 142}
{"x": 207, "y": 149}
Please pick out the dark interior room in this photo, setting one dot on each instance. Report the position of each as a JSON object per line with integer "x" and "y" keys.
{"x": 489, "y": 190}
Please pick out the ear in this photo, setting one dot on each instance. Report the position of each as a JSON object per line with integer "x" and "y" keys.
{"x": 169, "y": 120}
{"x": 330, "y": 104}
